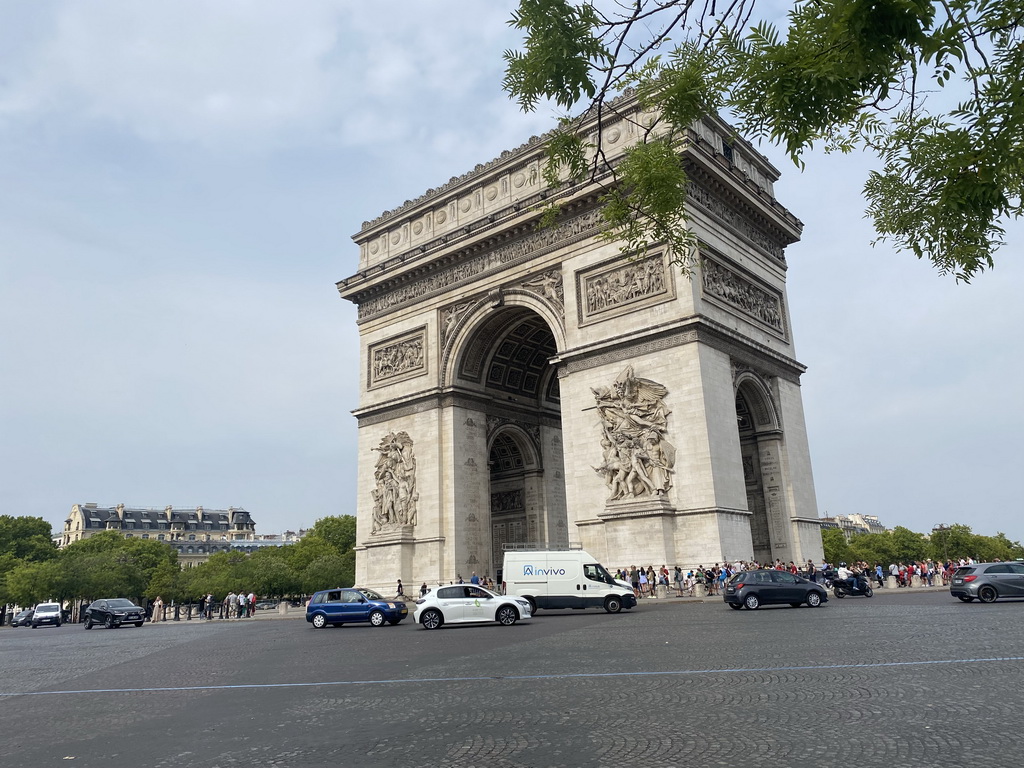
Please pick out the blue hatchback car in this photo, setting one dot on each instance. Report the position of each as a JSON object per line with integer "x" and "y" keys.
{"x": 350, "y": 605}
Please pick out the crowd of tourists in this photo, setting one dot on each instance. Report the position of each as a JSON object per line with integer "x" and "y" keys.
{"x": 710, "y": 581}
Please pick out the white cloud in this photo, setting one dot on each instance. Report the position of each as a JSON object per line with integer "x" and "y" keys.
{"x": 238, "y": 74}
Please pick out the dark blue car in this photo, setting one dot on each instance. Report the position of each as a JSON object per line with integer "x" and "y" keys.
{"x": 351, "y": 605}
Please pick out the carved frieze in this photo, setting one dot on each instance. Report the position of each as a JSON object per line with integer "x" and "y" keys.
{"x": 397, "y": 359}
{"x": 727, "y": 285}
{"x": 504, "y": 502}
{"x": 547, "y": 285}
{"x": 637, "y": 459}
{"x": 395, "y": 494}
{"x": 727, "y": 214}
{"x": 606, "y": 291}
{"x": 449, "y": 318}
{"x": 539, "y": 241}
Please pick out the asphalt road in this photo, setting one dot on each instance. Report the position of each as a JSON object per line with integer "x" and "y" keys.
{"x": 904, "y": 679}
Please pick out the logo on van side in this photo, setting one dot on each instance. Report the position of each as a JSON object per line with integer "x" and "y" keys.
{"x": 529, "y": 570}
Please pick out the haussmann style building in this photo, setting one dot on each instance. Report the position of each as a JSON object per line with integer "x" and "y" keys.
{"x": 523, "y": 384}
{"x": 195, "y": 532}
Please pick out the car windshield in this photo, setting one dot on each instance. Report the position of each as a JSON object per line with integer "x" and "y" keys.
{"x": 963, "y": 571}
{"x": 369, "y": 594}
{"x": 120, "y": 603}
{"x": 47, "y": 608}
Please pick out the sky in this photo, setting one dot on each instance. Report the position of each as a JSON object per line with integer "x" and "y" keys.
{"x": 179, "y": 184}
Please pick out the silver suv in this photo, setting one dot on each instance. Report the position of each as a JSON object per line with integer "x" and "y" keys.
{"x": 988, "y": 581}
{"x": 46, "y": 613}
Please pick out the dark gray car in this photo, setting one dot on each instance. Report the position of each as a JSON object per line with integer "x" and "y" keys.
{"x": 752, "y": 589}
{"x": 988, "y": 582}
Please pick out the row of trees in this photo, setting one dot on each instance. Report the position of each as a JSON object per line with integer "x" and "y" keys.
{"x": 107, "y": 564}
{"x": 901, "y": 545}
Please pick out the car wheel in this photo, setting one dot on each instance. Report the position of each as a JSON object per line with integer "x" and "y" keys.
{"x": 88, "y": 623}
{"x": 394, "y": 622}
{"x": 869, "y": 592}
{"x": 138, "y": 624}
{"x": 735, "y": 606}
{"x": 109, "y": 623}
{"x": 319, "y": 621}
{"x": 612, "y": 604}
{"x": 533, "y": 604}
{"x": 965, "y": 598}
{"x": 377, "y": 618}
{"x": 507, "y": 615}
{"x": 59, "y": 623}
{"x": 813, "y": 599}
{"x": 987, "y": 594}
{"x": 432, "y": 619}
{"x": 752, "y": 602}
{"x": 33, "y": 625}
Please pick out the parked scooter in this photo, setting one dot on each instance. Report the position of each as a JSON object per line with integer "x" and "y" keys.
{"x": 857, "y": 587}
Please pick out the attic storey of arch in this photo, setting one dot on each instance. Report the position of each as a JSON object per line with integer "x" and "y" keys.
{"x": 931, "y": 89}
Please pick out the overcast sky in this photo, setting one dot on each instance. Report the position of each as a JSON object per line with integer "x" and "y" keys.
{"x": 179, "y": 183}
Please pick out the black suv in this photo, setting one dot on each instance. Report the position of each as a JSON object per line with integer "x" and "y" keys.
{"x": 114, "y": 612}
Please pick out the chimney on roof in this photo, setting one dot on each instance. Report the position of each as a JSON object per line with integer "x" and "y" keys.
{"x": 90, "y": 505}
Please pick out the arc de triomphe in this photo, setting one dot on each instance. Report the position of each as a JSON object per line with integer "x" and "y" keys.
{"x": 531, "y": 384}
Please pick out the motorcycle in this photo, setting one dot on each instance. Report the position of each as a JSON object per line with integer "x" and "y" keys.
{"x": 856, "y": 587}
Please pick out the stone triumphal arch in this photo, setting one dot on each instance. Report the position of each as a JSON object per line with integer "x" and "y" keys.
{"x": 529, "y": 384}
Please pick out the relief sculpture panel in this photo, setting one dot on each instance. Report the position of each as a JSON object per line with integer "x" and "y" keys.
{"x": 398, "y": 359}
{"x": 395, "y": 495}
{"x": 637, "y": 459}
{"x": 608, "y": 292}
{"x": 725, "y": 284}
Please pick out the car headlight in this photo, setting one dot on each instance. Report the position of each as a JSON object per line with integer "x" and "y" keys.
{"x": 391, "y": 606}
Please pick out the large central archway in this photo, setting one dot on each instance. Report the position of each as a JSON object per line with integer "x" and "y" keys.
{"x": 503, "y": 358}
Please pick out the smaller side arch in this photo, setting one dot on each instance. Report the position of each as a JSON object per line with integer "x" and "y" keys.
{"x": 759, "y": 398}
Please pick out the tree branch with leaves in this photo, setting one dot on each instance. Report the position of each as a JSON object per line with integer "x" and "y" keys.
{"x": 932, "y": 89}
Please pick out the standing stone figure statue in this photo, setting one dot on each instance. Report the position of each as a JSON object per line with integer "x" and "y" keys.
{"x": 395, "y": 495}
{"x": 637, "y": 459}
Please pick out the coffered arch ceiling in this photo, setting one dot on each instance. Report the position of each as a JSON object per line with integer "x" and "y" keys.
{"x": 509, "y": 355}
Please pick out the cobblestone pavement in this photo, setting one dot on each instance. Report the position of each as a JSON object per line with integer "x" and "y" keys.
{"x": 857, "y": 682}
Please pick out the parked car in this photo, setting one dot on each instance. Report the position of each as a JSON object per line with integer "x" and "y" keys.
{"x": 352, "y": 605}
{"x": 468, "y": 603}
{"x": 113, "y": 612}
{"x": 266, "y": 605}
{"x": 752, "y": 589}
{"x": 46, "y": 613}
{"x": 23, "y": 618}
{"x": 988, "y": 582}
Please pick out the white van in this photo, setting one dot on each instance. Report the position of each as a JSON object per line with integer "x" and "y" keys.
{"x": 563, "y": 579}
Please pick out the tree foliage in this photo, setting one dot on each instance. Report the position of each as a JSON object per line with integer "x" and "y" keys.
{"x": 932, "y": 89}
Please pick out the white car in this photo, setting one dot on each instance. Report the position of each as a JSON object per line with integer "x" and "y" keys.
{"x": 468, "y": 603}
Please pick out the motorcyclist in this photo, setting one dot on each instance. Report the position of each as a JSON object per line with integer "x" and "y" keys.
{"x": 844, "y": 575}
